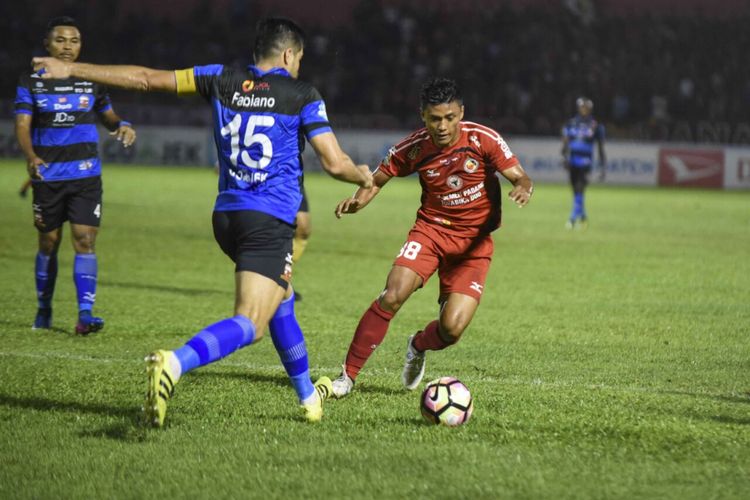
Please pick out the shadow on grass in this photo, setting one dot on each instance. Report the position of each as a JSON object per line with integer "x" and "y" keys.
{"x": 191, "y": 292}
{"x": 724, "y": 419}
{"x": 130, "y": 427}
{"x": 737, "y": 398}
{"x": 247, "y": 376}
{"x": 27, "y": 326}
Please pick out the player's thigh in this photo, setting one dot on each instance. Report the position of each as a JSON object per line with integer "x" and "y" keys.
{"x": 49, "y": 205}
{"x": 257, "y": 297}
{"x": 84, "y": 201}
{"x": 579, "y": 178}
{"x": 400, "y": 284}
{"x": 256, "y": 242}
{"x": 467, "y": 273}
{"x": 420, "y": 253}
{"x": 303, "y": 222}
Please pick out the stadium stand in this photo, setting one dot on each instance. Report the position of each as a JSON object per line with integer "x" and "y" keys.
{"x": 669, "y": 74}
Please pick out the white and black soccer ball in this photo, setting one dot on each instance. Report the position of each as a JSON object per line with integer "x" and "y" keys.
{"x": 446, "y": 401}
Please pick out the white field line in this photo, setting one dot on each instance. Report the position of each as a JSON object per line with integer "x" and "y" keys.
{"x": 516, "y": 381}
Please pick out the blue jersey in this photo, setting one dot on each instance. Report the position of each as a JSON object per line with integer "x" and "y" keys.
{"x": 260, "y": 121}
{"x": 63, "y": 126}
{"x": 582, "y": 132}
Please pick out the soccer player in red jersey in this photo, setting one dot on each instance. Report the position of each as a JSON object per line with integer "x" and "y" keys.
{"x": 457, "y": 162}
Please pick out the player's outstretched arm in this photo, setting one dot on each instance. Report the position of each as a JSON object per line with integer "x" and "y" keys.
{"x": 362, "y": 196}
{"x": 522, "y": 185}
{"x": 337, "y": 163}
{"x": 121, "y": 76}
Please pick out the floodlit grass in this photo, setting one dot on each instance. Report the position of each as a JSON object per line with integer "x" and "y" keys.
{"x": 610, "y": 363}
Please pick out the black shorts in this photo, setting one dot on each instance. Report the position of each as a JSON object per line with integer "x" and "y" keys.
{"x": 78, "y": 201}
{"x": 256, "y": 242}
{"x": 303, "y": 206}
{"x": 579, "y": 178}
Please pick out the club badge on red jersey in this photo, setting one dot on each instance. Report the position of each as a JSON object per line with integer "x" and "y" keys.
{"x": 471, "y": 165}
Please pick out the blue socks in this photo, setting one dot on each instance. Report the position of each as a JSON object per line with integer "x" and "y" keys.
{"x": 578, "y": 210}
{"x": 84, "y": 276}
{"x": 216, "y": 341}
{"x": 290, "y": 344}
{"x": 223, "y": 338}
{"x": 46, "y": 275}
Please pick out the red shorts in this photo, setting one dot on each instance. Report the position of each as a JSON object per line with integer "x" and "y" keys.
{"x": 461, "y": 262}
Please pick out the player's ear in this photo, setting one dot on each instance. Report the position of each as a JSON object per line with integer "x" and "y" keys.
{"x": 288, "y": 56}
{"x": 461, "y": 115}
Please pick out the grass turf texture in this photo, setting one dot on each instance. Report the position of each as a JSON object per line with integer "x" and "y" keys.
{"x": 610, "y": 363}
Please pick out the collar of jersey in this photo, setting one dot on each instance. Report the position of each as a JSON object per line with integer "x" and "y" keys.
{"x": 273, "y": 71}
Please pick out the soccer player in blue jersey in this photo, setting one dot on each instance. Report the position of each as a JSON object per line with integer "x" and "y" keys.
{"x": 56, "y": 130}
{"x": 261, "y": 117}
{"x": 578, "y": 136}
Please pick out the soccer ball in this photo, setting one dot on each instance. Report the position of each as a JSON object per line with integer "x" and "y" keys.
{"x": 446, "y": 401}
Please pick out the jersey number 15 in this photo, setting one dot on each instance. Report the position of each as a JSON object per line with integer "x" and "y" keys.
{"x": 240, "y": 151}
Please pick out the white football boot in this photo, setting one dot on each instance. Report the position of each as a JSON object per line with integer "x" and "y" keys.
{"x": 343, "y": 385}
{"x": 413, "y": 366}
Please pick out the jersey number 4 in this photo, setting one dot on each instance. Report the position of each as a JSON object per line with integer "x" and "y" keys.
{"x": 240, "y": 151}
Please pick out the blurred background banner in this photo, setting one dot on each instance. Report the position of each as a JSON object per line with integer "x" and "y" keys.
{"x": 628, "y": 163}
{"x": 665, "y": 76}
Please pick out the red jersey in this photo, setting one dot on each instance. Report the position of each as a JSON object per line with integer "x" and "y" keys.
{"x": 460, "y": 188}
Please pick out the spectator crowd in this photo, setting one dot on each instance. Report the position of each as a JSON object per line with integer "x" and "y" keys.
{"x": 668, "y": 76}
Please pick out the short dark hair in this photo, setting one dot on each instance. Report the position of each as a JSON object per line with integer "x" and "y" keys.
{"x": 439, "y": 90}
{"x": 274, "y": 34}
{"x": 61, "y": 21}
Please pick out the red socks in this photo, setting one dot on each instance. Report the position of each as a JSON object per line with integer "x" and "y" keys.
{"x": 429, "y": 339}
{"x": 369, "y": 334}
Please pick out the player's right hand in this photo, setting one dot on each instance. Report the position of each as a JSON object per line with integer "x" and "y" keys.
{"x": 365, "y": 170}
{"x": 33, "y": 167}
{"x": 347, "y": 206}
{"x": 49, "y": 67}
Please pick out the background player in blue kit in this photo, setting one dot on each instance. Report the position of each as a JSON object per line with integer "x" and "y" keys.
{"x": 579, "y": 135}
{"x": 56, "y": 130}
{"x": 260, "y": 117}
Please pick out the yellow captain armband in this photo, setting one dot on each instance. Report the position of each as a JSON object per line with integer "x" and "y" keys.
{"x": 185, "y": 79}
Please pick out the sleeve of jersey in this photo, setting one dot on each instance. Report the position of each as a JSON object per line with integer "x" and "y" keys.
{"x": 313, "y": 116}
{"x": 198, "y": 80}
{"x": 500, "y": 155}
{"x": 102, "y": 103}
{"x": 393, "y": 165}
{"x": 24, "y": 104}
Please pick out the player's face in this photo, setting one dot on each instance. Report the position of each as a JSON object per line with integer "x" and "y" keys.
{"x": 442, "y": 122}
{"x": 584, "y": 110}
{"x": 64, "y": 43}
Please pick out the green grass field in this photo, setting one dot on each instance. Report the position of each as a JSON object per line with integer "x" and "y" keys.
{"x": 610, "y": 363}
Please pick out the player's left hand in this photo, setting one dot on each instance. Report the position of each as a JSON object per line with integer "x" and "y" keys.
{"x": 49, "y": 67}
{"x": 520, "y": 195}
{"x": 124, "y": 133}
{"x": 347, "y": 206}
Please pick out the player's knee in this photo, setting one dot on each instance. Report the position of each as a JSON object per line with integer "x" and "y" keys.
{"x": 303, "y": 232}
{"x": 84, "y": 243}
{"x": 452, "y": 328}
{"x": 48, "y": 245}
{"x": 391, "y": 300}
